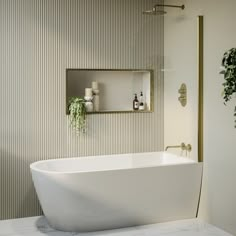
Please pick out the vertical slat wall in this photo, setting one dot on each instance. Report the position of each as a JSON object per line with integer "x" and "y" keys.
{"x": 39, "y": 39}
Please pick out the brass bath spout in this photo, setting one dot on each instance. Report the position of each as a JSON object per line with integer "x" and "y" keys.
{"x": 182, "y": 146}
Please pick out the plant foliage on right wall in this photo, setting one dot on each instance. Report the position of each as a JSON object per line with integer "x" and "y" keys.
{"x": 229, "y": 72}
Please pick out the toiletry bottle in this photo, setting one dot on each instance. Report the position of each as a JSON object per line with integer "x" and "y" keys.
{"x": 141, "y": 102}
{"x": 135, "y": 102}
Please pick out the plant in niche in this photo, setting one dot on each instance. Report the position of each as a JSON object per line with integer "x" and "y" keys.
{"x": 77, "y": 114}
{"x": 229, "y": 72}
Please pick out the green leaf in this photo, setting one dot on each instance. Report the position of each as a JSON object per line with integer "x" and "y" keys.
{"x": 229, "y": 63}
{"x": 77, "y": 114}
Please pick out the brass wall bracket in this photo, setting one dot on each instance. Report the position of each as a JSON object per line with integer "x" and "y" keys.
{"x": 183, "y": 95}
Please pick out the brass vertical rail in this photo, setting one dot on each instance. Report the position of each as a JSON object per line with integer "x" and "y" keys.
{"x": 200, "y": 98}
{"x": 200, "y": 88}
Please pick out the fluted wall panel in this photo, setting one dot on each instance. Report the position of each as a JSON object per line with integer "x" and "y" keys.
{"x": 39, "y": 39}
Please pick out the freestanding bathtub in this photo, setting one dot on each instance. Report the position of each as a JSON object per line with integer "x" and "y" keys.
{"x": 114, "y": 191}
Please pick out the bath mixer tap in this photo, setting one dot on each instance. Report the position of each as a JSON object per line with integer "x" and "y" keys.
{"x": 183, "y": 146}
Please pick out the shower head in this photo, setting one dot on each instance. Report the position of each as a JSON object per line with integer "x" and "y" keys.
{"x": 158, "y": 9}
{"x": 154, "y": 11}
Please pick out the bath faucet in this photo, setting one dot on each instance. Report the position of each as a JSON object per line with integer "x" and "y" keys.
{"x": 183, "y": 147}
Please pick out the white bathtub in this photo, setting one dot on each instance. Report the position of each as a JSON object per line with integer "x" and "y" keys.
{"x": 107, "y": 192}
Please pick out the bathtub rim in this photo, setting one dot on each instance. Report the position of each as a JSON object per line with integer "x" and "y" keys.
{"x": 33, "y": 166}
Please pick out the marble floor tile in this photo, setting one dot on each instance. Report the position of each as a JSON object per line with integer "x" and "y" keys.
{"x": 38, "y": 226}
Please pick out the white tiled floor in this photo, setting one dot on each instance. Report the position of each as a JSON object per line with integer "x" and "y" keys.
{"x": 38, "y": 226}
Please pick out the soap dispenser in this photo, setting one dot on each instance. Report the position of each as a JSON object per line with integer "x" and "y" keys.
{"x": 141, "y": 102}
{"x": 135, "y": 102}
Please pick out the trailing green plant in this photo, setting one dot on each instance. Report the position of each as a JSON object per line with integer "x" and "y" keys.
{"x": 77, "y": 114}
{"x": 229, "y": 72}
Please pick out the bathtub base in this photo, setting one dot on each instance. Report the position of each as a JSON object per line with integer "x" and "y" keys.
{"x": 117, "y": 191}
{"x": 94, "y": 201}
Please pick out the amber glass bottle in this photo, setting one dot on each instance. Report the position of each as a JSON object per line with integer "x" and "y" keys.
{"x": 135, "y": 102}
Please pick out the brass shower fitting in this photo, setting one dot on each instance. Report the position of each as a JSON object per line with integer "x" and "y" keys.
{"x": 158, "y": 9}
{"x": 166, "y": 5}
{"x": 183, "y": 95}
{"x": 182, "y": 146}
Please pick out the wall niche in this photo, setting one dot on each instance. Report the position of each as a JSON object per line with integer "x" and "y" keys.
{"x": 116, "y": 89}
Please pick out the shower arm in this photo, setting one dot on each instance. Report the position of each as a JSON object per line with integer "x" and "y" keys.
{"x": 160, "y": 5}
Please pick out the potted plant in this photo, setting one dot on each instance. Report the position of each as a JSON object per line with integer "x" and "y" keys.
{"x": 77, "y": 114}
{"x": 229, "y": 72}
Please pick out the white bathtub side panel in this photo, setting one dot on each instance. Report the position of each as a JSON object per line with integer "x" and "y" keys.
{"x": 114, "y": 199}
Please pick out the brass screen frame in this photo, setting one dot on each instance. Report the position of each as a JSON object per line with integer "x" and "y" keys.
{"x": 200, "y": 97}
{"x": 200, "y": 86}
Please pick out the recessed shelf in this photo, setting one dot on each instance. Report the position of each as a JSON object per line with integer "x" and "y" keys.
{"x": 130, "y": 111}
{"x": 116, "y": 88}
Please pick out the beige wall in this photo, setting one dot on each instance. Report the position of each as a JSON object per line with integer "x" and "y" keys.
{"x": 219, "y": 193}
{"x": 39, "y": 39}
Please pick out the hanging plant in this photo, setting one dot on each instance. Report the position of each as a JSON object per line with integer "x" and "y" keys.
{"x": 229, "y": 72}
{"x": 77, "y": 114}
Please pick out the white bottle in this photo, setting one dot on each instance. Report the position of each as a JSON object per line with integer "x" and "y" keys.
{"x": 141, "y": 102}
